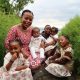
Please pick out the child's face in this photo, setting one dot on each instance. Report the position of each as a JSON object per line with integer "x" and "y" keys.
{"x": 36, "y": 33}
{"x": 63, "y": 41}
{"x": 14, "y": 47}
{"x": 52, "y": 32}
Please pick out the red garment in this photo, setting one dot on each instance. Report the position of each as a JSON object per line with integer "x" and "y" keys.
{"x": 16, "y": 32}
{"x": 35, "y": 63}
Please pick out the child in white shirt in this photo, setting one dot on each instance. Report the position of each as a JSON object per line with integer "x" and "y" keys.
{"x": 37, "y": 44}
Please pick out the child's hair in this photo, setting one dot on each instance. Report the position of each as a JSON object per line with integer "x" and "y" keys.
{"x": 34, "y": 29}
{"x": 54, "y": 29}
{"x": 27, "y": 11}
{"x": 16, "y": 40}
{"x": 66, "y": 36}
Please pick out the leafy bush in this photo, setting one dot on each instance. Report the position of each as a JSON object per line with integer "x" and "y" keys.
{"x": 6, "y": 21}
{"x": 72, "y": 30}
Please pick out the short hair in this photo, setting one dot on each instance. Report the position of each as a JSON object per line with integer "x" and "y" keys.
{"x": 66, "y": 36}
{"x": 27, "y": 11}
{"x": 16, "y": 40}
{"x": 48, "y": 26}
{"x": 35, "y": 28}
{"x": 55, "y": 29}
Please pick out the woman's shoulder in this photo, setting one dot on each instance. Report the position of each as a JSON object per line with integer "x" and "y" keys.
{"x": 15, "y": 27}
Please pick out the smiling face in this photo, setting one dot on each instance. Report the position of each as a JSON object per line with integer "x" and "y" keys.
{"x": 14, "y": 47}
{"x": 63, "y": 41}
{"x": 26, "y": 20}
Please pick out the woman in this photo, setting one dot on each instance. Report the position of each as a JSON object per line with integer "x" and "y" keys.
{"x": 22, "y": 31}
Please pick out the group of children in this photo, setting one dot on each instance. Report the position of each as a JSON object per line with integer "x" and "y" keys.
{"x": 17, "y": 67}
{"x": 39, "y": 45}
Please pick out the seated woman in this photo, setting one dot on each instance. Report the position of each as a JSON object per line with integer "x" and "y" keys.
{"x": 61, "y": 62}
{"x": 15, "y": 67}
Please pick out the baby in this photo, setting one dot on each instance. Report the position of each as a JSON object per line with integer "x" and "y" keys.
{"x": 37, "y": 44}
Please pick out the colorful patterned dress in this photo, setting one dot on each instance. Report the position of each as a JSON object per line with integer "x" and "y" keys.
{"x": 60, "y": 70}
{"x": 24, "y": 74}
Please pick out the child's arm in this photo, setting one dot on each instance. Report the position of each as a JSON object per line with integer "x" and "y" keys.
{"x": 14, "y": 57}
{"x": 55, "y": 56}
{"x": 42, "y": 46}
{"x": 21, "y": 67}
{"x": 24, "y": 65}
{"x": 50, "y": 43}
{"x": 63, "y": 60}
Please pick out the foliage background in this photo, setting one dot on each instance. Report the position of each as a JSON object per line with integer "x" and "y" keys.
{"x": 72, "y": 30}
{"x": 6, "y": 21}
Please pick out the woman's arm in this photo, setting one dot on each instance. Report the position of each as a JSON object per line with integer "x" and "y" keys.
{"x": 10, "y": 36}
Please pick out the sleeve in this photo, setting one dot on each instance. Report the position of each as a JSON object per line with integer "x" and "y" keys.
{"x": 7, "y": 59}
{"x": 10, "y": 36}
{"x": 68, "y": 53}
{"x": 69, "y": 49}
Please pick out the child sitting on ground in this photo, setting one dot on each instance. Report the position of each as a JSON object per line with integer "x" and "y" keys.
{"x": 15, "y": 67}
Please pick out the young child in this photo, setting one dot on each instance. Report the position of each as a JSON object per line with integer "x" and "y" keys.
{"x": 54, "y": 32}
{"x": 37, "y": 45}
{"x": 61, "y": 62}
{"x": 15, "y": 67}
{"x": 51, "y": 42}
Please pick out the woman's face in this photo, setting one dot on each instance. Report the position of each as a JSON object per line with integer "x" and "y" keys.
{"x": 63, "y": 41}
{"x": 26, "y": 20}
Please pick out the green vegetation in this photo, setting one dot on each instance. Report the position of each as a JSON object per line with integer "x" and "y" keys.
{"x": 6, "y": 21}
{"x": 72, "y": 30}
{"x": 14, "y": 6}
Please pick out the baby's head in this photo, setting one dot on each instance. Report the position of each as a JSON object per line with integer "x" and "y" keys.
{"x": 15, "y": 46}
{"x": 54, "y": 30}
{"x": 35, "y": 32}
